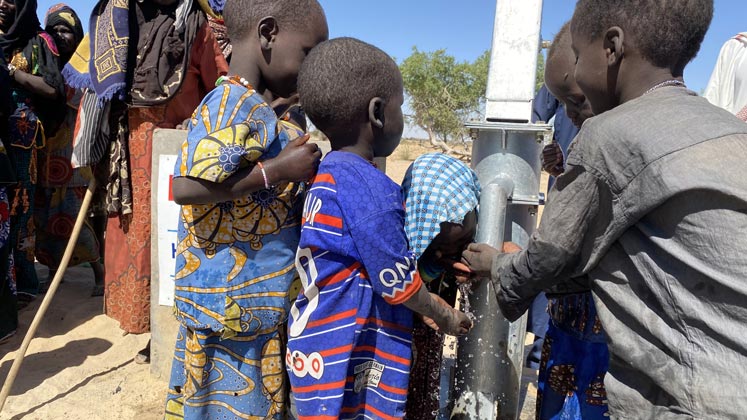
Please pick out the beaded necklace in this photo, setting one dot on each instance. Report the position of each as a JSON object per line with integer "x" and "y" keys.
{"x": 235, "y": 79}
{"x": 672, "y": 82}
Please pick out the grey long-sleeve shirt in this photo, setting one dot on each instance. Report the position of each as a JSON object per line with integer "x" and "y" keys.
{"x": 652, "y": 209}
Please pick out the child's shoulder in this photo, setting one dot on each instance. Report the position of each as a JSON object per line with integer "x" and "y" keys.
{"x": 624, "y": 141}
{"x": 230, "y": 96}
{"x": 352, "y": 167}
{"x": 228, "y": 104}
{"x": 358, "y": 179}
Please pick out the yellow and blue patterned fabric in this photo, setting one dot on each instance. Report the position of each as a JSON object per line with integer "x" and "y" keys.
{"x": 437, "y": 188}
{"x": 213, "y": 8}
{"x": 235, "y": 259}
{"x": 235, "y": 266}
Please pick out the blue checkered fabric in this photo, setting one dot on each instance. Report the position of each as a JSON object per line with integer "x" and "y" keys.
{"x": 437, "y": 188}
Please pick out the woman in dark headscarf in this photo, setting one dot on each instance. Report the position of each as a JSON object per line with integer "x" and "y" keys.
{"x": 61, "y": 188}
{"x": 171, "y": 62}
{"x": 38, "y": 93}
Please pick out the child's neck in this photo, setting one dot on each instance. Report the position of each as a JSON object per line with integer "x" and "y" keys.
{"x": 244, "y": 66}
{"x": 358, "y": 142}
{"x": 360, "y": 150}
{"x": 642, "y": 79}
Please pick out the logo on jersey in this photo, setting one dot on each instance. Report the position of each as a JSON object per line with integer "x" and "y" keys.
{"x": 302, "y": 365}
{"x": 311, "y": 208}
{"x": 368, "y": 374}
{"x": 391, "y": 277}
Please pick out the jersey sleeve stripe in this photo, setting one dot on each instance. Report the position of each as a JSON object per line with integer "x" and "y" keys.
{"x": 324, "y": 179}
{"x": 406, "y": 294}
{"x": 393, "y": 390}
{"x": 328, "y": 220}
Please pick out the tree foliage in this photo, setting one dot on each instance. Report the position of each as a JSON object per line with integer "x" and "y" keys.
{"x": 443, "y": 93}
{"x": 540, "y": 80}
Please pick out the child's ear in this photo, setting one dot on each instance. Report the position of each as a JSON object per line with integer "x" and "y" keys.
{"x": 376, "y": 112}
{"x": 267, "y": 30}
{"x": 614, "y": 45}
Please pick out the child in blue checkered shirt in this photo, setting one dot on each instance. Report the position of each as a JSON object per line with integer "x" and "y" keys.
{"x": 441, "y": 195}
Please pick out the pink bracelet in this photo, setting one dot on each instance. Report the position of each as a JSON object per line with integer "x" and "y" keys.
{"x": 264, "y": 174}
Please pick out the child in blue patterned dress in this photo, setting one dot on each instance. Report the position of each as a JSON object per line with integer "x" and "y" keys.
{"x": 239, "y": 182}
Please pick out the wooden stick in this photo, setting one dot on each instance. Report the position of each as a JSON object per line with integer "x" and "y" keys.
{"x": 72, "y": 242}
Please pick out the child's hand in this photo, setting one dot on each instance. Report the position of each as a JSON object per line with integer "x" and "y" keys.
{"x": 298, "y": 161}
{"x": 438, "y": 314}
{"x": 479, "y": 257}
{"x": 552, "y": 159}
{"x": 510, "y": 248}
{"x": 461, "y": 272}
{"x": 451, "y": 321}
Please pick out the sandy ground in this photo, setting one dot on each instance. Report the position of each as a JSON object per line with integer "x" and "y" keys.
{"x": 80, "y": 366}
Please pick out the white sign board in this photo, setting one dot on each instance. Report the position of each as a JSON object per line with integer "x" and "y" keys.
{"x": 168, "y": 222}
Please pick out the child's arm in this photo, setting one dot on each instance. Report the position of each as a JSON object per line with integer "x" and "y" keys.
{"x": 296, "y": 162}
{"x": 448, "y": 319}
{"x": 391, "y": 267}
{"x": 554, "y": 252}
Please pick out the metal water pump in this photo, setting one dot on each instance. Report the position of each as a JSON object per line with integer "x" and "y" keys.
{"x": 506, "y": 157}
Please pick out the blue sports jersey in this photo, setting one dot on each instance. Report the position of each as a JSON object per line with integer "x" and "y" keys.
{"x": 349, "y": 335}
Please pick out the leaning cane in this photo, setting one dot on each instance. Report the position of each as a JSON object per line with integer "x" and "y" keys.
{"x": 82, "y": 214}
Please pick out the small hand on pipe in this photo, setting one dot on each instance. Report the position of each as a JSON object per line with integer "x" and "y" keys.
{"x": 478, "y": 258}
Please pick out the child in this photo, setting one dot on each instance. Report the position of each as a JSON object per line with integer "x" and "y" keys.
{"x": 647, "y": 209}
{"x": 350, "y": 329}
{"x": 441, "y": 197}
{"x": 574, "y": 341}
{"x": 237, "y": 180}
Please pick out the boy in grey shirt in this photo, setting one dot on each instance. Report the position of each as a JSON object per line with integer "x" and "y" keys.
{"x": 652, "y": 209}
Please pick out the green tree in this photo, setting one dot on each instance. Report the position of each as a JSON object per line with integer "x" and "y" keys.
{"x": 540, "y": 80}
{"x": 443, "y": 93}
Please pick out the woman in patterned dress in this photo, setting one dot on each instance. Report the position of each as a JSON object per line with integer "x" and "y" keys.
{"x": 152, "y": 105}
{"x": 61, "y": 188}
{"x": 37, "y": 92}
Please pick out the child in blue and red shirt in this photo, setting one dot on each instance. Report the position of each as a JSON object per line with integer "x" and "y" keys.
{"x": 349, "y": 332}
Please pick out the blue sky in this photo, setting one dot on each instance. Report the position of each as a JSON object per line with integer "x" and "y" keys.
{"x": 466, "y": 31}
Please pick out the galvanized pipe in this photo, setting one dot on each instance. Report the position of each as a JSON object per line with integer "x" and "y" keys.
{"x": 485, "y": 369}
{"x": 490, "y": 358}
